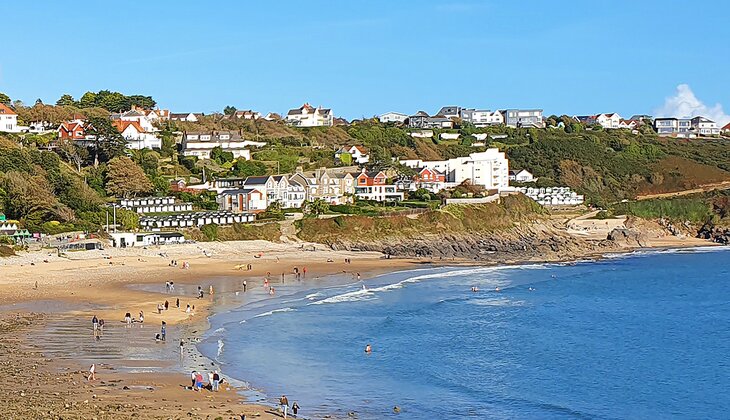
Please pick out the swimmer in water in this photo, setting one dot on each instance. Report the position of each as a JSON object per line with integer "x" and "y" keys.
{"x": 368, "y": 349}
{"x": 496, "y": 289}
{"x": 531, "y": 289}
{"x": 363, "y": 287}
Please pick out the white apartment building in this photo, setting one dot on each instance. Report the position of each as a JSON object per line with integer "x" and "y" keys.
{"x": 201, "y": 144}
{"x": 482, "y": 117}
{"x": 309, "y": 116}
{"x": 705, "y": 127}
{"x": 489, "y": 169}
{"x": 8, "y": 119}
{"x": 686, "y": 127}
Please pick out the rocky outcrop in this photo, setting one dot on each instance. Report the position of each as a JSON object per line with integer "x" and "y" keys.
{"x": 536, "y": 242}
{"x": 627, "y": 236}
{"x": 714, "y": 233}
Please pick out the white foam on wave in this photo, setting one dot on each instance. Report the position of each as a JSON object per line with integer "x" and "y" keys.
{"x": 355, "y": 296}
{"x": 242, "y": 322}
{"x": 274, "y": 311}
{"x": 313, "y": 296}
{"x": 369, "y": 294}
{"x": 495, "y": 302}
{"x": 219, "y": 330}
{"x": 220, "y": 348}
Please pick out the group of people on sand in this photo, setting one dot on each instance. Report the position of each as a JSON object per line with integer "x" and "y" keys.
{"x": 214, "y": 380}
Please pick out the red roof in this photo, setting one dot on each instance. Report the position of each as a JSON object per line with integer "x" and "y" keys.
{"x": 6, "y": 110}
{"x": 726, "y": 127}
{"x": 122, "y": 125}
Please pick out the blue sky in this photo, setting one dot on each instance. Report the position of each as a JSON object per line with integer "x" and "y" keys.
{"x": 363, "y": 58}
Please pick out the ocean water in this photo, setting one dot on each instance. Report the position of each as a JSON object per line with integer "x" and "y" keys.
{"x": 645, "y": 336}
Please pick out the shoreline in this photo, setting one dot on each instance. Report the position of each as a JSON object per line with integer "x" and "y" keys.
{"x": 121, "y": 282}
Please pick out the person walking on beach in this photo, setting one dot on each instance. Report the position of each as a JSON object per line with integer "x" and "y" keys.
{"x": 210, "y": 290}
{"x": 141, "y": 317}
{"x": 244, "y": 286}
{"x": 295, "y": 408}
{"x": 128, "y": 318}
{"x": 216, "y": 380}
{"x": 284, "y": 405}
{"x": 198, "y": 381}
{"x": 95, "y": 323}
{"x": 187, "y": 310}
{"x": 177, "y": 303}
{"x": 193, "y": 375}
{"x": 182, "y": 344}
{"x": 304, "y": 270}
{"x": 163, "y": 330}
{"x": 101, "y": 325}
{"x": 167, "y": 305}
{"x": 92, "y": 373}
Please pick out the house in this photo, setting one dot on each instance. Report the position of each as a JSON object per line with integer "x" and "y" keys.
{"x": 726, "y": 129}
{"x": 72, "y": 130}
{"x": 201, "y": 144}
{"x": 423, "y": 120}
{"x": 609, "y": 121}
{"x": 132, "y": 239}
{"x": 245, "y": 114}
{"x": 188, "y": 117}
{"x": 136, "y": 136}
{"x": 373, "y": 186}
{"x": 482, "y": 117}
{"x": 135, "y": 115}
{"x": 429, "y": 179}
{"x": 392, "y": 117}
{"x": 521, "y": 175}
{"x": 686, "y": 127}
{"x": 417, "y": 120}
{"x": 309, "y": 116}
{"x": 357, "y": 154}
{"x": 272, "y": 116}
{"x": 629, "y": 124}
{"x": 489, "y": 169}
{"x": 553, "y": 196}
{"x": 704, "y": 126}
{"x": 526, "y": 118}
{"x": 242, "y": 200}
{"x": 157, "y": 115}
{"x": 450, "y": 112}
{"x": 329, "y": 185}
{"x": 8, "y": 119}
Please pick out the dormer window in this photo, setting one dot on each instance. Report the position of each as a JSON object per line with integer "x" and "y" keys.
{"x": 205, "y": 137}
{"x": 225, "y": 136}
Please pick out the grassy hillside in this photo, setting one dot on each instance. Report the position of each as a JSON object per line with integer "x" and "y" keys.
{"x": 452, "y": 219}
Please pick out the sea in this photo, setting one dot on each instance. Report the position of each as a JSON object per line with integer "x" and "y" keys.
{"x": 637, "y": 336}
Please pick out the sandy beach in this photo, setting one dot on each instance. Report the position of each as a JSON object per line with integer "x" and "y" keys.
{"x": 48, "y": 302}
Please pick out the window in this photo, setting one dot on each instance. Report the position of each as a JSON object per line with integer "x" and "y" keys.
{"x": 205, "y": 137}
{"x": 225, "y": 136}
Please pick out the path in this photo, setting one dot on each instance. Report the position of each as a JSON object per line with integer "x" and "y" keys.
{"x": 704, "y": 188}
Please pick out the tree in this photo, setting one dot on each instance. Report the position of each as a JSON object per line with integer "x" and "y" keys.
{"x": 316, "y": 207}
{"x": 245, "y": 168}
{"x": 88, "y": 100}
{"x": 218, "y": 155}
{"x": 66, "y": 100}
{"x": 126, "y": 179}
{"x": 229, "y": 110}
{"x": 4, "y": 99}
{"x": 108, "y": 141}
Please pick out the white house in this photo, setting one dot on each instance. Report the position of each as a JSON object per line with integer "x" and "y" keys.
{"x": 609, "y": 121}
{"x": 137, "y": 137}
{"x": 201, "y": 144}
{"x": 704, "y": 126}
{"x": 521, "y": 175}
{"x": 309, "y": 116}
{"x": 155, "y": 115}
{"x": 131, "y": 239}
{"x": 8, "y": 119}
{"x": 489, "y": 169}
{"x": 185, "y": 116}
{"x": 392, "y": 117}
{"x": 358, "y": 153}
{"x": 482, "y": 117}
{"x": 246, "y": 114}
